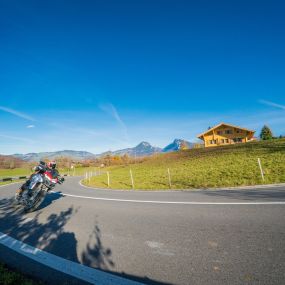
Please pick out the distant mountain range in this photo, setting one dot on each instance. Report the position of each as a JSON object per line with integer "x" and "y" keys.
{"x": 142, "y": 149}
{"x": 77, "y": 155}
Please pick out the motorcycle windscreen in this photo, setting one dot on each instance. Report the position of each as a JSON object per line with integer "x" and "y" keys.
{"x": 35, "y": 179}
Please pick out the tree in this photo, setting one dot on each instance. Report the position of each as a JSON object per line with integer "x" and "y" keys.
{"x": 125, "y": 159}
{"x": 266, "y": 133}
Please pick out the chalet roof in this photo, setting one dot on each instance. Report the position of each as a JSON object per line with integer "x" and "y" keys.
{"x": 224, "y": 124}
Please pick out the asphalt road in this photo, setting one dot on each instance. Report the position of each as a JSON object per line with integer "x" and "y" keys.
{"x": 207, "y": 237}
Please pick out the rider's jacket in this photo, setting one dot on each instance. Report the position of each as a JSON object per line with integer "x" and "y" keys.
{"x": 54, "y": 173}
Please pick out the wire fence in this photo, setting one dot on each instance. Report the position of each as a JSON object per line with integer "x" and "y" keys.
{"x": 173, "y": 178}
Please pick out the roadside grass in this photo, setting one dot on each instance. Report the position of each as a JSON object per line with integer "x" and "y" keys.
{"x": 14, "y": 172}
{"x": 11, "y": 277}
{"x": 80, "y": 171}
{"x": 234, "y": 165}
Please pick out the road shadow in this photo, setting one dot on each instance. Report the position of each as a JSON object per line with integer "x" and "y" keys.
{"x": 49, "y": 234}
{"x": 49, "y": 199}
{"x": 96, "y": 254}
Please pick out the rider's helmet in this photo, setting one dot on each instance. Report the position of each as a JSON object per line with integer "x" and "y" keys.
{"x": 52, "y": 164}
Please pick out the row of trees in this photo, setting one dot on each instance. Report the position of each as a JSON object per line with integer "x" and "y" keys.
{"x": 107, "y": 160}
{"x": 10, "y": 162}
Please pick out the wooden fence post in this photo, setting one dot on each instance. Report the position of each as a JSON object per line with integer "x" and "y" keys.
{"x": 169, "y": 178}
{"x": 260, "y": 167}
{"x": 108, "y": 176}
{"x": 132, "y": 179}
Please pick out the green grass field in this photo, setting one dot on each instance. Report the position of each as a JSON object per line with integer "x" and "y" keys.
{"x": 26, "y": 172}
{"x": 234, "y": 165}
{"x": 14, "y": 172}
{"x": 79, "y": 171}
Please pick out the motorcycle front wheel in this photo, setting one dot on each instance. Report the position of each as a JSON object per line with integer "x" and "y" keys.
{"x": 17, "y": 198}
{"x": 34, "y": 203}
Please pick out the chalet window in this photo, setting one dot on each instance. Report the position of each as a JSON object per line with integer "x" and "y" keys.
{"x": 219, "y": 132}
{"x": 228, "y": 132}
{"x": 226, "y": 140}
{"x": 237, "y": 140}
{"x": 222, "y": 141}
{"x": 238, "y": 131}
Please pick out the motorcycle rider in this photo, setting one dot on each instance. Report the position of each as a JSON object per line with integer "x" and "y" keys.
{"x": 32, "y": 193}
{"x": 54, "y": 172}
{"x": 40, "y": 168}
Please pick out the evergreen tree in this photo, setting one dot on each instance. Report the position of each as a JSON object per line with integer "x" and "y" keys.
{"x": 266, "y": 133}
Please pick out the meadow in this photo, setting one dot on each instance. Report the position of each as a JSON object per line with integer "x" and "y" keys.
{"x": 14, "y": 172}
{"x": 233, "y": 165}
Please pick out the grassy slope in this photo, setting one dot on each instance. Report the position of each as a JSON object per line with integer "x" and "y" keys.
{"x": 212, "y": 167}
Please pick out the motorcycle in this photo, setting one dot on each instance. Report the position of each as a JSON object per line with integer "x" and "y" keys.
{"x": 32, "y": 193}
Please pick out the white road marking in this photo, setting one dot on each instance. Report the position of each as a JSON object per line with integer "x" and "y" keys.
{"x": 68, "y": 267}
{"x": 154, "y": 244}
{"x": 159, "y": 248}
{"x": 172, "y": 202}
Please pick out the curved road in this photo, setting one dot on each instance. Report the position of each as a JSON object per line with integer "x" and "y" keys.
{"x": 174, "y": 237}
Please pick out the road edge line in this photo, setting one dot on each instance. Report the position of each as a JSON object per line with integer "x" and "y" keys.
{"x": 247, "y": 187}
{"x": 169, "y": 202}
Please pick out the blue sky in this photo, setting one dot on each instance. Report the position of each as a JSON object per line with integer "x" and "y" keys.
{"x": 105, "y": 75}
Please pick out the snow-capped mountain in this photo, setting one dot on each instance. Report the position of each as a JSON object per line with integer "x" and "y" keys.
{"x": 178, "y": 144}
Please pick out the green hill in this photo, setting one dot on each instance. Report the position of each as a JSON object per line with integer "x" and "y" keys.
{"x": 233, "y": 165}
